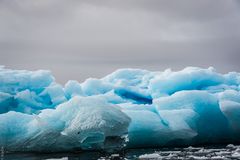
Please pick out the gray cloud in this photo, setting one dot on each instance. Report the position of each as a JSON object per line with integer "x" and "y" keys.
{"x": 81, "y": 39}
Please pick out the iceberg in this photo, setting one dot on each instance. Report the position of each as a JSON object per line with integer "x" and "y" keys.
{"x": 129, "y": 108}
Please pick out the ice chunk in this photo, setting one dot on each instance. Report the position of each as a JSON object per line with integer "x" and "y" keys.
{"x": 13, "y": 81}
{"x": 231, "y": 95}
{"x": 72, "y": 88}
{"x": 23, "y": 89}
{"x": 180, "y": 122}
{"x": 14, "y": 127}
{"x": 206, "y": 107}
{"x": 6, "y": 102}
{"x": 231, "y": 110}
{"x": 91, "y": 121}
{"x": 80, "y": 123}
{"x": 131, "y": 84}
{"x": 128, "y": 77}
{"x": 28, "y": 102}
{"x": 56, "y": 94}
{"x": 94, "y": 86}
{"x": 188, "y": 107}
{"x": 146, "y": 129}
{"x": 190, "y": 78}
{"x": 111, "y": 97}
{"x": 220, "y": 88}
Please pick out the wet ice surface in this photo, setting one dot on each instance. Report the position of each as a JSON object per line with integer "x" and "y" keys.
{"x": 228, "y": 152}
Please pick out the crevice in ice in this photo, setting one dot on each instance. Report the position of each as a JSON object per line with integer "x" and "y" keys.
{"x": 137, "y": 98}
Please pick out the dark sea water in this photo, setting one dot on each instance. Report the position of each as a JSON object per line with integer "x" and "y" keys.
{"x": 189, "y": 153}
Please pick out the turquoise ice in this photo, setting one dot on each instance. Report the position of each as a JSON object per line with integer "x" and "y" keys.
{"x": 127, "y": 109}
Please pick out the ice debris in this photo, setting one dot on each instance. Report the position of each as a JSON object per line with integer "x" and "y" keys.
{"x": 128, "y": 108}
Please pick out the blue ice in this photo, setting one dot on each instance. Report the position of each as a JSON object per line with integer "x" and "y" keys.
{"x": 129, "y": 108}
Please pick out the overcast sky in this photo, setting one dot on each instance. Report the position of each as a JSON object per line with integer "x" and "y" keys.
{"x": 79, "y": 39}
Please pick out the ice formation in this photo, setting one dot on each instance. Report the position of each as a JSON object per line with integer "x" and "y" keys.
{"x": 128, "y": 108}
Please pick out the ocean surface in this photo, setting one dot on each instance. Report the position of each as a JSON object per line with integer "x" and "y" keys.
{"x": 219, "y": 152}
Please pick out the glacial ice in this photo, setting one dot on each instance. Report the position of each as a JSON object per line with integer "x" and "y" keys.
{"x": 129, "y": 108}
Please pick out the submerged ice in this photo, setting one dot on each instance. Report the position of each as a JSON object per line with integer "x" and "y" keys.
{"x": 128, "y": 108}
